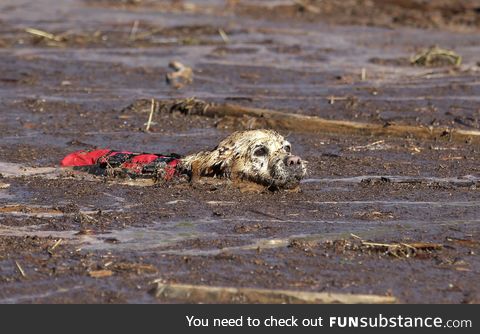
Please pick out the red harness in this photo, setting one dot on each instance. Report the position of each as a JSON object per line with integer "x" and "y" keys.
{"x": 146, "y": 165}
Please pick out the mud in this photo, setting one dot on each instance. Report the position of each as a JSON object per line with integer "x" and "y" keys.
{"x": 70, "y": 238}
{"x": 444, "y": 14}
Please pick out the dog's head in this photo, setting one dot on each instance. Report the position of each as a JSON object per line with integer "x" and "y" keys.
{"x": 261, "y": 156}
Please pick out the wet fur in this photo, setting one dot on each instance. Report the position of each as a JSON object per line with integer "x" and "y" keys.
{"x": 253, "y": 159}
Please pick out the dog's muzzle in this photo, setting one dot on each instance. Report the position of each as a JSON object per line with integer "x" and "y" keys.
{"x": 288, "y": 172}
{"x": 295, "y": 168}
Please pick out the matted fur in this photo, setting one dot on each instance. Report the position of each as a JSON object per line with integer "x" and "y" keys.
{"x": 258, "y": 156}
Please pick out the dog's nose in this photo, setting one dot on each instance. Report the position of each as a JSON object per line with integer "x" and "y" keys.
{"x": 293, "y": 160}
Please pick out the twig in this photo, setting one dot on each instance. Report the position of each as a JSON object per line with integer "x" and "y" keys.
{"x": 224, "y": 35}
{"x": 363, "y": 76}
{"x": 100, "y": 273}
{"x": 88, "y": 218}
{"x": 376, "y": 244}
{"x": 44, "y": 34}
{"x": 216, "y": 294}
{"x": 332, "y": 99}
{"x": 20, "y": 269}
{"x": 134, "y": 29}
{"x": 368, "y": 146}
{"x": 408, "y": 246}
{"x": 152, "y": 109}
{"x": 59, "y": 241}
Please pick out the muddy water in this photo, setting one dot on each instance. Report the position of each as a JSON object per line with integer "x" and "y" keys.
{"x": 71, "y": 90}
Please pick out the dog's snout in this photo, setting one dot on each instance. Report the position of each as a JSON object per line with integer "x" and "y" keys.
{"x": 293, "y": 160}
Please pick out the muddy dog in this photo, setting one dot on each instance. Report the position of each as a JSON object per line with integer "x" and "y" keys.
{"x": 253, "y": 160}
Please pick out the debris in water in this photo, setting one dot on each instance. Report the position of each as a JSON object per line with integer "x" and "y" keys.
{"x": 377, "y": 145}
{"x": 373, "y": 215}
{"x": 100, "y": 273}
{"x": 224, "y": 35}
{"x": 402, "y": 249}
{"x": 212, "y": 294}
{"x": 463, "y": 242}
{"x": 84, "y": 218}
{"x": 20, "y": 269}
{"x": 85, "y": 232}
{"x": 363, "y": 75}
{"x": 312, "y": 124}
{"x": 186, "y": 106}
{"x": 29, "y": 210}
{"x": 181, "y": 76}
{"x": 435, "y": 56}
{"x": 139, "y": 268}
{"x": 134, "y": 29}
{"x": 149, "y": 122}
{"x": 396, "y": 249}
{"x": 44, "y": 34}
{"x": 332, "y": 99}
{"x": 50, "y": 251}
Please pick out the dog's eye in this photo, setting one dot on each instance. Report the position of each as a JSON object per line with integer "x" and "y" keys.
{"x": 260, "y": 152}
{"x": 287, "y": 148}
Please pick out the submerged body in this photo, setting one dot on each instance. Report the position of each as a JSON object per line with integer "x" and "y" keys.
{"x": 261, "y": 157}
